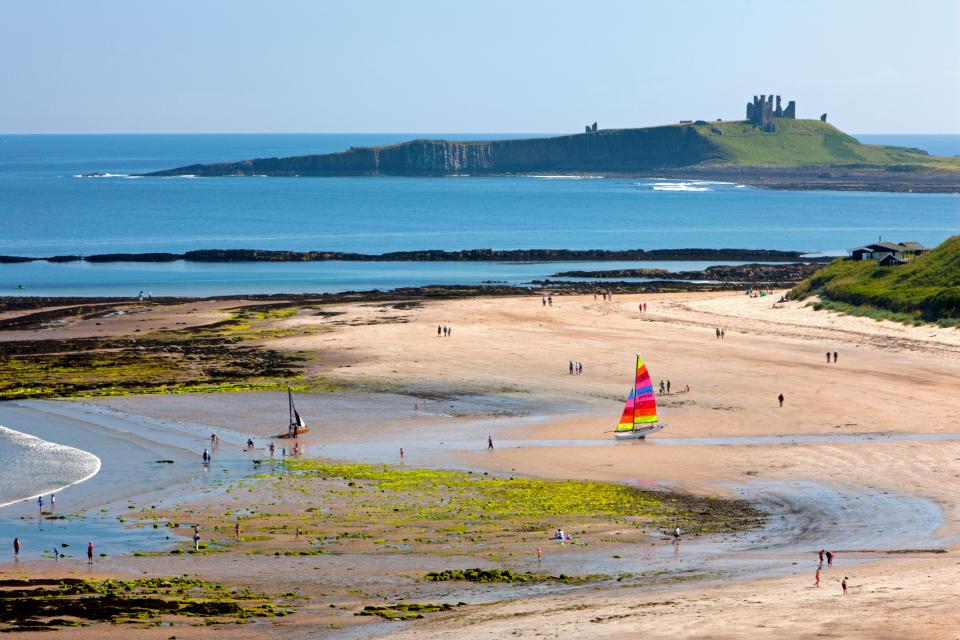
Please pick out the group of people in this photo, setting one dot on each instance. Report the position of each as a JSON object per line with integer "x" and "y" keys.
{"x": 643, "y": 307}
{"x": 53, "y": 502}
{"x": 575, "y": 368}
{"x": 57, "y": 553}
{"x": 721, "y": 333}
{"x": 560, "y": 535}
{"x": 548, "y": 300}
{"x": 443, "y": 331}
{"x": 829, "y": 557}
{"x": 607, "y": 296}
{"x": 141, "y": 298}
{"x": 835, "y": 354}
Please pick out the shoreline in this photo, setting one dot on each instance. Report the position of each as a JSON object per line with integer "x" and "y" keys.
{"x": 15, "y": 434}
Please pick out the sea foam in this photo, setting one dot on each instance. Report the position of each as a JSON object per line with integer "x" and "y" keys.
{"x": 30, "y": 466}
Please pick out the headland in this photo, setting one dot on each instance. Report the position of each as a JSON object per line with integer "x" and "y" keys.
{"x": 771, "y": 148}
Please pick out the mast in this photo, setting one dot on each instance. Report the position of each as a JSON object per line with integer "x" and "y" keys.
{"x": 290, "y": 400}
{"x": 636, "y": 379}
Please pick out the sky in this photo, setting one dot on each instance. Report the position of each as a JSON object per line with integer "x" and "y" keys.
{"x": 880, "y": 66}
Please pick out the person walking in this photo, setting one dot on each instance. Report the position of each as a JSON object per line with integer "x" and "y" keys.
{"x": 16, "y": 548}
{"x": 196, "y": 538}
{"x": 90, "y": 552}
{"x": 843, "y": 585}
{"x": 539, "y": 550}
{"x": 236, "y": 530}
{"x": 668, "y": 387}
{"x": 723, "y": 333}
{"x": 780, "y": 398}
{"x": 53, "y": 502}
{"x": 272, "y": 448}
{"x": 571, "y": 367}
{"x": 816, "y": 578}
{"x": 401, "y": 455}
{"x": 821, "y": 557}
{"x": 439, "y": 331}
{"x": 828, "y": 356}
{"x": 834, "y": 357}
{"x": 489, "y": 443}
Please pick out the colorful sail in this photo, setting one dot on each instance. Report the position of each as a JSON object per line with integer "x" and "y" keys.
{"x": 641, "y": 407}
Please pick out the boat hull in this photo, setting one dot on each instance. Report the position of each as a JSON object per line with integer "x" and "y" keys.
{"x": 300, "y": 432}
{"x": 638, "y": 434}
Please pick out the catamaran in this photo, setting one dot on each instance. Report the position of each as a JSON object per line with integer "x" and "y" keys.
{"x": 639, "y": 417}
{"x": 297, "y": 426}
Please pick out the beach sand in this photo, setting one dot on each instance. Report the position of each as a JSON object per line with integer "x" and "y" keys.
{"x": 863, "y": 458}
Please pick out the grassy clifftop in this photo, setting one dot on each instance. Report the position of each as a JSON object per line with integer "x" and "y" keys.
{"x": 926, "y": 289}
{"x": 810, "y": 142}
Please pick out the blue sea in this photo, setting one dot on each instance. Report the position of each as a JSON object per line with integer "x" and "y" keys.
{"x": 47, "y": 209}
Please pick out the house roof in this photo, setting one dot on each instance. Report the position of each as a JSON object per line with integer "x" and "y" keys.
{"x": 913, "y": 246}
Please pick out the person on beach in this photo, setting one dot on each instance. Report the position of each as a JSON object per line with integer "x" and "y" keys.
{"x": 401, "y": 455}
{"x": 821, "y": 557}
{"x": 828, "y": 356}
{"x": 668, "y": 387}
{"x": 816, "y": 578}
{"x": 676, "y": 535}
{"x": 272, "y": 449}
{"x": 40, "y": 503}
{"x": 56, "y": 553}
{"x": 16, "y": 548}
{"x": 439, "y": 331}
{"x": 299, "y": 533}
{"x": 489, "y": 443}
{"x": 90, "y": 552}
{"x": 550, "y": 300}
{"x": 843, "y": 585}
{"x": 53, "y": 502}
{"x": 829, "y": 558}
{"x": 723, "y": 333}
{"x": 206, "y": 457}
{"x": 834, "y": 357}
{"x": 718, "y": 333}
{"x": 539, "y": 550}
{"x": 236, "y": 530}
{"x": 644, "y": 307}
{"x": 196, "y": 537}
{"x": 780, "y": 398}
{"x": 571, "y": 367}
{"x": 663, "y": 386}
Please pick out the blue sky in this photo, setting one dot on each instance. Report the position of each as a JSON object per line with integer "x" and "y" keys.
{"x": 457, "y": 66}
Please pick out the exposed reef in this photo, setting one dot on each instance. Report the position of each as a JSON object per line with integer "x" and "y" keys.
{"x": 433, "y": 255}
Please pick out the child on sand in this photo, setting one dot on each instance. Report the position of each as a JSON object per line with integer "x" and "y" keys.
{"x": 817, "y": 578}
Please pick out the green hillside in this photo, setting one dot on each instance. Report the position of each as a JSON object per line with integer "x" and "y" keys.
{"x": 926, "y": 289}
{"x": 810, "y": 142}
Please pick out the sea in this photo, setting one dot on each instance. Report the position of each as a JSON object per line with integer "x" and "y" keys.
{"x": 47, "y": 208}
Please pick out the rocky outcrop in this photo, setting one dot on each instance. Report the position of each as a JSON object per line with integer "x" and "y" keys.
{"x": 433, "y": 255}
{"x": 615, "y": 150}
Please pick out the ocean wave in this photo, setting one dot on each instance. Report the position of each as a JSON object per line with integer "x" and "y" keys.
{"x": 99, "y": 174}
{"x": 570, "y": 177}
{"x": 30, "y": 466}
{"x": 678, "y": 186}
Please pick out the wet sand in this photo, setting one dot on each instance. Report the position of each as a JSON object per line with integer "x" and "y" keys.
{"x": 862, "y": 458}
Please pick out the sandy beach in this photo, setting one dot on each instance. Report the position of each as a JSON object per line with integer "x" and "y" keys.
{"x": 862, "y": 459}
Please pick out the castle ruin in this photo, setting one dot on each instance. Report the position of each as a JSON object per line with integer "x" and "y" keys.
{"x": 762, "y": 111}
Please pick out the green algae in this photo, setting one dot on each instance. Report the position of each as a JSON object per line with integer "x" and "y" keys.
{"x": 29, "y": 604}
{"x": 403, "y": 611}
{"x": 505, "y": 575}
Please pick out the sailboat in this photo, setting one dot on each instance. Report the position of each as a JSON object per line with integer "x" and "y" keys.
{"x": 297, "y": 426}
{"x": 639, "y": 417}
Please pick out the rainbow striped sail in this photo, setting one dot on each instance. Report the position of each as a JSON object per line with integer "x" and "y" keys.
{"x": 641, "y": 407}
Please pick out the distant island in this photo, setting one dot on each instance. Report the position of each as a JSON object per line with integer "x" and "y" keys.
{"x": 770, "y": 148}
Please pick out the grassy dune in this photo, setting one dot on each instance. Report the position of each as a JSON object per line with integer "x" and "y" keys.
{"x": 924, "y": 290}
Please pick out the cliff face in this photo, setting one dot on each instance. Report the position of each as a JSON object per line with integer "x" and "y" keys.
{"x": 613, "y": 151}
{"x": 796, "y": 154}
